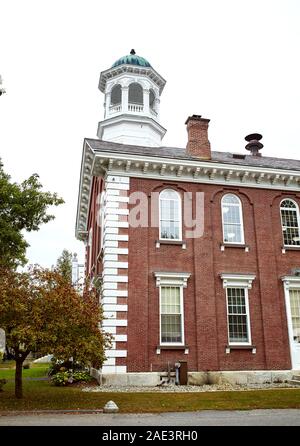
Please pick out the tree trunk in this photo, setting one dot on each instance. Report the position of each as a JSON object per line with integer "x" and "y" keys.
{"x": 18, "y": 376}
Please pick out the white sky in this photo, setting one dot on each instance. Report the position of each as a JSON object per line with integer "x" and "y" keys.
{"x": 236, "y": 62}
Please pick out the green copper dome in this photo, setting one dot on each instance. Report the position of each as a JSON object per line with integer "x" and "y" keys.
{"x": 132, "y": 59}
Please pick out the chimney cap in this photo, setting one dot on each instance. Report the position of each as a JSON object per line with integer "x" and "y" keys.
{"x": 253, "y": 137}
{"x": 253, "y": 143}
{"x": 196, "y": 118}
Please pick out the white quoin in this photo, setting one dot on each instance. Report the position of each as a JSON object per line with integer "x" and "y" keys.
{"x": 131, "y": 108}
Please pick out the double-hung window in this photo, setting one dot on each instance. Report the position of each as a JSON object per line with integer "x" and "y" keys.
{"x": 232, "y": 219}
{"x": 237, "y": 307}
{"x": 290, "y": 223}
{"x": 171, "y": 315}
{"x": 238, "y": 316}
{"x": 170, "y": 215}
{"x": 171, "y": 308}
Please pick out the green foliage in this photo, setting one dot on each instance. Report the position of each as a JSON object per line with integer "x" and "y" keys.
{"x": 26, "y": 366}
{"x": 60, "y": 378}
{"x": 2, "y": 383}
{"x": 23, "y": 207}
{"x": 64, "y": 265}
{"x": 81, "y": 376}
{"x": 61, "y": 365}
{"x": 41, "y": 311}
{"x": 64, "y": 378}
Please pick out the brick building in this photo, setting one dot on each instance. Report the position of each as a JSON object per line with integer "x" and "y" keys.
{"x": 196, "y": 253}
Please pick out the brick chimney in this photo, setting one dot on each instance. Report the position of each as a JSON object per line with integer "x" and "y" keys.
{"x": 198, "y": 144}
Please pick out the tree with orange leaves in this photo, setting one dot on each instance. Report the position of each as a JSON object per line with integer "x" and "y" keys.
{"x": 41, "y": 311}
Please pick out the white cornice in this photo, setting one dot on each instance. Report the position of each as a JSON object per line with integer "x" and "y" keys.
{"x": 171, "y": 278}
{"x": 131, "y": 69}
{"x": 237, "y": 280}
{"x": 97, "y": 163}
{"x": 123, "y": 117}
{"x": 291, "y": 281}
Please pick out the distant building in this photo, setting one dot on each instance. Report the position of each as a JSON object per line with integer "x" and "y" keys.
{"x": 78, "y": 273}
{"x": 224, "y": 294}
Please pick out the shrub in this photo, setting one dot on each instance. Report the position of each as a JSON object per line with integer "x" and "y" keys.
{"x": 2, "y": 383}
{"x": 62, "y": 366}
{"x": 60, "y": 378}
{"x": 81, "y": 376}
{"x": 67, "y": 377}
{"x": 26, "y": 366}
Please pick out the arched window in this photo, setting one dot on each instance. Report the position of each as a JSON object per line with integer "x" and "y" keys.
{"x": 169, "y": 215}
{"x": 232, "y": 219}
{"x": 116, "y": 95}
{"x": 152, "y": 99}
{"x": 135, "y": 94}
{"x": 290, "y": 222}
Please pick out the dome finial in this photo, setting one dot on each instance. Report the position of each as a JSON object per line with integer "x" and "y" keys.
{"x": 132, "y": 52}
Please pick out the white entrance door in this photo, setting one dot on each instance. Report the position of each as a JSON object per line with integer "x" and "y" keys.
{"x": 293, "y": 311}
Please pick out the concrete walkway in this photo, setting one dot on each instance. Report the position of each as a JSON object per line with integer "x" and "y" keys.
{"x": 275, "y": 417}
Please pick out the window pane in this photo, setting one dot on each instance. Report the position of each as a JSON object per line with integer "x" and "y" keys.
{"x": 170, "y": 314}
{"x": 230, "y": 199}
{"x": 232, "y": 219}
{"x": 171, "y": 328}
{"x": 232, "y": 233}
{"x": 170, "y": 215}
{"x": 290, "y": 225}
{"x": 237, "y": 315}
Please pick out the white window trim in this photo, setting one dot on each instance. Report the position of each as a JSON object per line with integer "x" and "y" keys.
{"x": 179, "y": 215}
{"x": 181, "y": 313}
{"x": 242, "y": 242}
{"x": 298, "y": 220}
{"x": 232, "y": 280}
{"x": 90, "y": 244}
{"x": 102, "y": 221}
{"x": 290, "y": 283}
{"x": 176, "y": 280}
{"x": 249, "y": 342}
{"x": 239, "y": 281}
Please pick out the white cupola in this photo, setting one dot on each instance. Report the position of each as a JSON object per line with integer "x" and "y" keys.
{"x": 132, "y": 91}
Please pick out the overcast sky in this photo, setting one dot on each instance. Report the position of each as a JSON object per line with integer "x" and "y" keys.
{"x": 236, "y": 62}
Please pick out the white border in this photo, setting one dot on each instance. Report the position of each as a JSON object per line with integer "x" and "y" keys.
{"x": 242, "y": 242}
{"x": 245, "y": 288}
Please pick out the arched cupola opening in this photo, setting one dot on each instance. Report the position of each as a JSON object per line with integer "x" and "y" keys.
{"x": 116, "y": 95}
{"x": 135, "y": 94}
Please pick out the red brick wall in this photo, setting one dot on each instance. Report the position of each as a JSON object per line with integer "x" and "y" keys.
{"x": 204, "y": 297}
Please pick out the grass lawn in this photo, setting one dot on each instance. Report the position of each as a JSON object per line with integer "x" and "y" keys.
{"x": 41, "y": 395}
{"x": 35, "y": 371}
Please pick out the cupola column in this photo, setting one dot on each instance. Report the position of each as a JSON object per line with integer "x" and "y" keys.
{"x": 157, "y": 106}
{"x": 107, "y": 104}
{"x": 146, "y": 95}
{"x": 124, "y": 99}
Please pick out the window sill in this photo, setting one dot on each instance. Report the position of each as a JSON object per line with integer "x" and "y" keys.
{"x": 289, "y": 248}
{"x": 181, "y": 243}
{"x": 234, "y": 245}
{"x": 228, "y": 348}
{"x": 172, "y": 347}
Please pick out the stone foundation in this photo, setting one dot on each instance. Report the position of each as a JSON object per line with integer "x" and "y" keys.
{"x": 195, "y": 378}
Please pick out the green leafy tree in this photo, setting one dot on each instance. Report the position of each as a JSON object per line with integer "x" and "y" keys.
{"x": 41, "y": 311}
{"x": 64, "y": 264}
{"x": 23, "y": 207}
